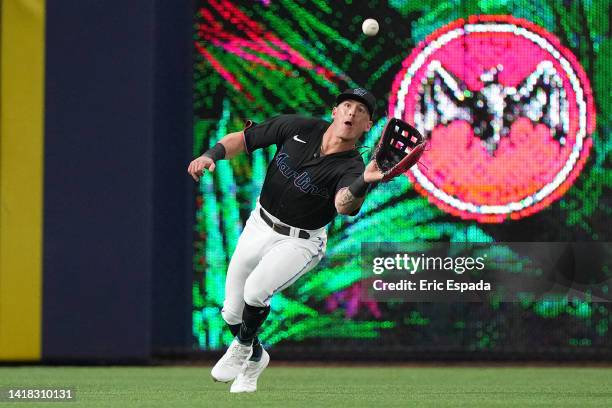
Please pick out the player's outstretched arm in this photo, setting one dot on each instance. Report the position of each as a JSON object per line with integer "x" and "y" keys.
{"x": 229, "y": 146}
{"x": 348, "y": 200}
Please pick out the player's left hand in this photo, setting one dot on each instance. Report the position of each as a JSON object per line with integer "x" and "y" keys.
{"x": 400, "y": 147}
{"x": 372, "y": 173}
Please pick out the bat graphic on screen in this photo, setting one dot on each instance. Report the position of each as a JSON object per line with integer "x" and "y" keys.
{"x": 491, "y": 111}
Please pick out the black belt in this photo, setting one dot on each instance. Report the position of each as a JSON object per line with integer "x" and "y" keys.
{"x": 281, "y": 229}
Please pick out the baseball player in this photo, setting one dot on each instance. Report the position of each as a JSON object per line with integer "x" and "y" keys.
{"x": 316, "y": 173}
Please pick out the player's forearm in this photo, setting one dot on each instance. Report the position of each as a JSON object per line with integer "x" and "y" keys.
{"x": 233, "y": 143}
{"x": 346, "y": 203}
{"x": 348, "y": 200}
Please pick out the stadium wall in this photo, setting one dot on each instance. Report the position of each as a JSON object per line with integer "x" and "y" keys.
{"x": 108, "y": 278}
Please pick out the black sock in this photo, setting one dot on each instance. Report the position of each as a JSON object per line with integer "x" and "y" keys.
{"x": 252, "y": 318}
{"x": 257, "y": 347}
{"x": 234, "y": 328}
{"x": 257, "y": 350}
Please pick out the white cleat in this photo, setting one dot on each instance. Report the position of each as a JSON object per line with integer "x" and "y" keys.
{"x": 230, "y": 365}
{"x": 247, "y": 379}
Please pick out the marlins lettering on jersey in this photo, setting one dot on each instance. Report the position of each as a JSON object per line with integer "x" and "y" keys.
{"x": 301, "y": 180}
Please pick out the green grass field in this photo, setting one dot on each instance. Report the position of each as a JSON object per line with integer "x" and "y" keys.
{"x": 324, "y": 386}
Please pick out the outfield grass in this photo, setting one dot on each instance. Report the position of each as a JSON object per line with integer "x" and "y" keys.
{"x": 324, "y": 387}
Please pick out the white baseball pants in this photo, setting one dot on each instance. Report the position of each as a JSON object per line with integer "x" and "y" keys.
{"x": 266, "y": 262}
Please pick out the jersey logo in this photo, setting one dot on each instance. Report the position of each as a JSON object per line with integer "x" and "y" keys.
{"x": 297, "y": 139}
{"x": 508, "y": 112}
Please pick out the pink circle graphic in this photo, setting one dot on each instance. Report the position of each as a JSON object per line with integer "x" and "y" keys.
{"x": 508, "y": 112}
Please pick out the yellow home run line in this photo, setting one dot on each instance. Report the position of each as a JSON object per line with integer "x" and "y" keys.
{"x": 22, "y": 45}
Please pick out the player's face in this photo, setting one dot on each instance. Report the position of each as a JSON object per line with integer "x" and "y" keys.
{"x": 352, "y": 119}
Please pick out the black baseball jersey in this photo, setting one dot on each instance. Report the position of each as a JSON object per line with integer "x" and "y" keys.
{"x": 300, "y": 184}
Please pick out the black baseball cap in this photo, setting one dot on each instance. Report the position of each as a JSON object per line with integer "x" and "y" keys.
{"x": 361, "y": 95}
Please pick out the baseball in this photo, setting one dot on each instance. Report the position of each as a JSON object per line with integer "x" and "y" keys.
{"x": 370, "y": 27}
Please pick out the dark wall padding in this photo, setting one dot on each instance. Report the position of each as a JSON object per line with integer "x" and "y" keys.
{"x": 115, "y": 209}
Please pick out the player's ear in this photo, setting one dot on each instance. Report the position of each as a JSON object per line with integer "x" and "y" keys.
{"x": 369, "y": 126}
{"x": 334, "y": 109}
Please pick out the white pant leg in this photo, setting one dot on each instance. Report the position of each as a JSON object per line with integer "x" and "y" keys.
{"x": 247, "y": 255}
{"x": 287, "y": 260}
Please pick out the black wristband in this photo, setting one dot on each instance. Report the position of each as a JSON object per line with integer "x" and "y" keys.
{"x": 217, "y": 152}
{"x": 359, "y": 187}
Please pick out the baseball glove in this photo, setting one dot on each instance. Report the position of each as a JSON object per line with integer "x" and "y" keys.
{"x": 400, "y": 147}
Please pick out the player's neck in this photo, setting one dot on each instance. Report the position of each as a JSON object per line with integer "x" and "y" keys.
{"x": 332, "y": 143}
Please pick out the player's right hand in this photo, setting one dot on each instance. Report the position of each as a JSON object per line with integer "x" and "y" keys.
{"x": 196, "y": 167}
{"x": 372, "y": 173}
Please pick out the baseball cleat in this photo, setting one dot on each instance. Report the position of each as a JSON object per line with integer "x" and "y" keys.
{"x": 230, "y": 365}
{"x": 247, "y": 379}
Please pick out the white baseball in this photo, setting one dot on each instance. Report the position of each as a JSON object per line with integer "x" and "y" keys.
{"x": 370, "y": 27}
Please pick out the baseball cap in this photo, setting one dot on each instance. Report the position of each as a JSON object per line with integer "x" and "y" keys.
{"x": 361, "y": 95}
